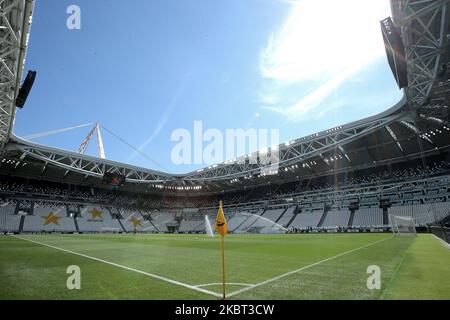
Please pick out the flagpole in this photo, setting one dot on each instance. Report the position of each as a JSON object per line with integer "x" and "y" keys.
{"x": 223, "y": 266}
{"x": 222, "y": 228}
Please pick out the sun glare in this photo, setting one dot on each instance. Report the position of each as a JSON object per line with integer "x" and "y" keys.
{"x": 321, "y": 39}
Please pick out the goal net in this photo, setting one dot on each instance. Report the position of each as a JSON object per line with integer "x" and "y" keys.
{"x": 109, "y": 230}
{"x": 402, "y": 226}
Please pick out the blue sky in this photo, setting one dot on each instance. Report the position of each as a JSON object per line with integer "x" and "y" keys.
{"x": 146, "y": 68}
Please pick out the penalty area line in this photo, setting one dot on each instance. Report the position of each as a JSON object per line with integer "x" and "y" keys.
{"x": 304, "y": 268}
{"x": 151, "y": 275}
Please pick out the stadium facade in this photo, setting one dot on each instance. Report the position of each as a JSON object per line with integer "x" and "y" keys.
{"x": 349, "y": 177}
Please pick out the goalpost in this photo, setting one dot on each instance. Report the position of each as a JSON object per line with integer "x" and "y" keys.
{"x": 403, "y": 226}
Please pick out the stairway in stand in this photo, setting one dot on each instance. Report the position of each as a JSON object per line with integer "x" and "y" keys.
{"x": 281, "y": 215}
{"x": 22, "y": 221}
{"x": 350, "y": 220}
{"x": 123, "y": 228}
{"x": 76, "y": 224}
{"x": 323, "y": 218}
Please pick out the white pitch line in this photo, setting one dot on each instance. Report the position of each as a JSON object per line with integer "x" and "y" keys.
{"x": 175, "y": 282}
{"x": 227, "y": 283}
{"x": 304, "y": 268}
{"x": 445, "y": 244}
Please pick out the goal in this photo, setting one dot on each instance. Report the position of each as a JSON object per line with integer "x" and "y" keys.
{"x": 403, "y": 226}
{"x": 109, "y": 230}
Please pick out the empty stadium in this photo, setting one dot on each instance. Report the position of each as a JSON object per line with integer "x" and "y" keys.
{"x": 371, "y": 192}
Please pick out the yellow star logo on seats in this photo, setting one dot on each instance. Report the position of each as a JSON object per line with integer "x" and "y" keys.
{"x": 51, "y": 218}
{"x": 136, "y": 222}
{"x": 96, "y": 213}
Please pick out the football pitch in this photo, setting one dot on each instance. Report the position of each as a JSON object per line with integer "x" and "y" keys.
{"x": 288, "y": 266}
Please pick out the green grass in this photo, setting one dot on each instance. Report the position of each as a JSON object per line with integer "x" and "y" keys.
{"x": 411, "y": 267}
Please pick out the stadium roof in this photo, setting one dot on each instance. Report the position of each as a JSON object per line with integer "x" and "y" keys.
{"x": 417, "y": 125}
{"x": 15, "y": 23}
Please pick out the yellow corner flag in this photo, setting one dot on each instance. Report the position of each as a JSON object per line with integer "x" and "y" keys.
{"x": 222, "y": 228}
{"x": 221, "y": 223}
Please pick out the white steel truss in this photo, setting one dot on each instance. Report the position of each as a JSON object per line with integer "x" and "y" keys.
{"x": 297, "y": 152}
{"x": 294, "y": 153}
{"x": 15, "y": 22}
{"x": 84, "y": 164}
{"x": 423, "y": 26}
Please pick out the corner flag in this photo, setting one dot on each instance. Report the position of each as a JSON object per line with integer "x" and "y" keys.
{"x": 222, "y": 228}
{"x": 221, "y": 223}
